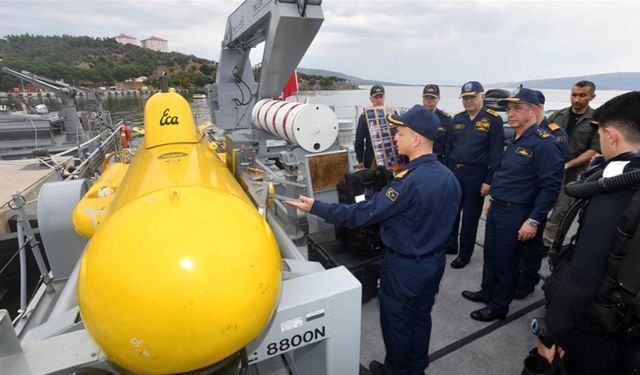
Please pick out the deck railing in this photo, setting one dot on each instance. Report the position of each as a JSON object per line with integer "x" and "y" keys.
{"x": 90, "y": 155}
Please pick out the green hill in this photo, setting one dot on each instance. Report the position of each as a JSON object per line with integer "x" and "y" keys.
{"x": 91, "y": 62}
{"x": 88, "y": 61}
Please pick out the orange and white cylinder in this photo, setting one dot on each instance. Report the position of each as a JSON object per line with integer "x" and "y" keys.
{"x": 314, "y": 127}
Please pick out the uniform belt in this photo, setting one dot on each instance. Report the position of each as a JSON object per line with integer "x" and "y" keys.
{"x": 509, "y": 204}
{"x": 405, "y": 256}
{"x": 469, "y": 166}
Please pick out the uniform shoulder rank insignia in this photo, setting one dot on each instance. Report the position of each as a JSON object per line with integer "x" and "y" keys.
{"x": 542, "y": 134}
{"x": 492, "y": 112}
{"x": 392, "y": 194}
{"x": 561, "y": 139}
{"x": 553, "y": 126}
{"x": 401, "y": 174}
{"x": 523, "y": 152}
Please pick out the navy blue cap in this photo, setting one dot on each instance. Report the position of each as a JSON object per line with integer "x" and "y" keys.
{"x": 541, "y": 98}
{"x": 431, "y": 90}
{"x": 522, "y": 95}
{"x": 471, "y": 88}
{"x": 420, "y": 120}
{"x": 376, "y": 90}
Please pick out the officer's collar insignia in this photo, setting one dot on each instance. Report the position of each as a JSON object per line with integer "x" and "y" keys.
{"x": 392, "y": 194}
{"x": 458, "y": 126}
{"x": 523, "y": 151}
{"x": 542, "y": 133}
{"x": 553, "y": 126}
{"x": 561, "y": 139}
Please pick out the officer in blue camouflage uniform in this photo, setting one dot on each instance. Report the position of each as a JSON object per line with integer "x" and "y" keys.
{"x": 430, "y": 100}
{"x": 474, "y": 145}
{"x": 534, "y": 251}
{"x": 416, "y": 213}
{"x": 525, "y": 187}
{"x": 362, "y": 144}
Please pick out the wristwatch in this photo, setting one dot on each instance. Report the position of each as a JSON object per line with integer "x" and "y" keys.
{"x": 535, "y": 327}
{"x": 539, "y": 329}
{"x": 534, "y": 223}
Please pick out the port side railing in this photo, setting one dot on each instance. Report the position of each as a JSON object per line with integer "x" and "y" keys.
{"x": 90, "y": 156}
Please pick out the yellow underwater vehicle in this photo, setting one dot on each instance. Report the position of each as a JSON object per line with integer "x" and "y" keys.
{"x": 181, "y": 271}
{"x": 183, "y": 260}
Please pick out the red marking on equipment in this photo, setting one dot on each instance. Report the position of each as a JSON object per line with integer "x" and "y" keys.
{"x": 266, "y": 125}
{"x": 284, "y": 123}
{"x": 258, "y": 114}
{"x": 274, "y": 117}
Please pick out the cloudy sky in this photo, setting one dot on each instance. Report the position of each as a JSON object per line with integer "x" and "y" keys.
{"x": 397, "y": 41}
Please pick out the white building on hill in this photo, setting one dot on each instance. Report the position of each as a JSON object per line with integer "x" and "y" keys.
{"x": 156, "y": 44}
{"x": 126, "y": 39}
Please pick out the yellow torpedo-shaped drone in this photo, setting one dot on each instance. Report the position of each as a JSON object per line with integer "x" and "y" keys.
{"x": 181, "y": 271}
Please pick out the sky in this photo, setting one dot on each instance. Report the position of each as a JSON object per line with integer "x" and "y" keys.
{"x": 415, "y": 42}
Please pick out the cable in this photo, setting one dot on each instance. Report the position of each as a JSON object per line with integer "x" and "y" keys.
{"x": 237, "y": 79}
{"x": 13, "y": 256}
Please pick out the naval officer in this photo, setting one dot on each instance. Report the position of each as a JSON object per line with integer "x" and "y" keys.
{"x": 534, "y": 250}
{"x": 430, "y": 100}
{"x": 474, "y": 146}
{"x": 416, "y": 213}
{"x": 525, "y": 186}
{"x": 362, "y": 144}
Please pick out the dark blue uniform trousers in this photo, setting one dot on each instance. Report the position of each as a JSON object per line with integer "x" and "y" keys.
{"x": 407, "y": 292}
{"x": 471, "y": 180}
{"x": 532, "y": 255}
{"x": 502, "y": 254}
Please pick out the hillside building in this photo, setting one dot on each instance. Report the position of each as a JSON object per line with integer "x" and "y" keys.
{"x": 156, "y": 44}
{"x": 126, "y": 39}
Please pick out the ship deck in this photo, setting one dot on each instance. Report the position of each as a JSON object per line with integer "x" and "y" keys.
{"x": 459, "y": 344}
{"x": 24, "y": 176}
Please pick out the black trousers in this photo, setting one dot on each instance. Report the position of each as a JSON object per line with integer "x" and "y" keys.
{"x": 588, "y": 353}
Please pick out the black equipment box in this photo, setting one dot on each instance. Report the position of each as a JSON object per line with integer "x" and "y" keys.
{"x": 363, "y": 262}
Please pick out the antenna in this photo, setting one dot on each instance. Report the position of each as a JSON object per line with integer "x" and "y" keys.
{"x": 164, "y": 82}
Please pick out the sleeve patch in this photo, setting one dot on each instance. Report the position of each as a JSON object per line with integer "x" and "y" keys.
{"x": 392, "y": 194}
